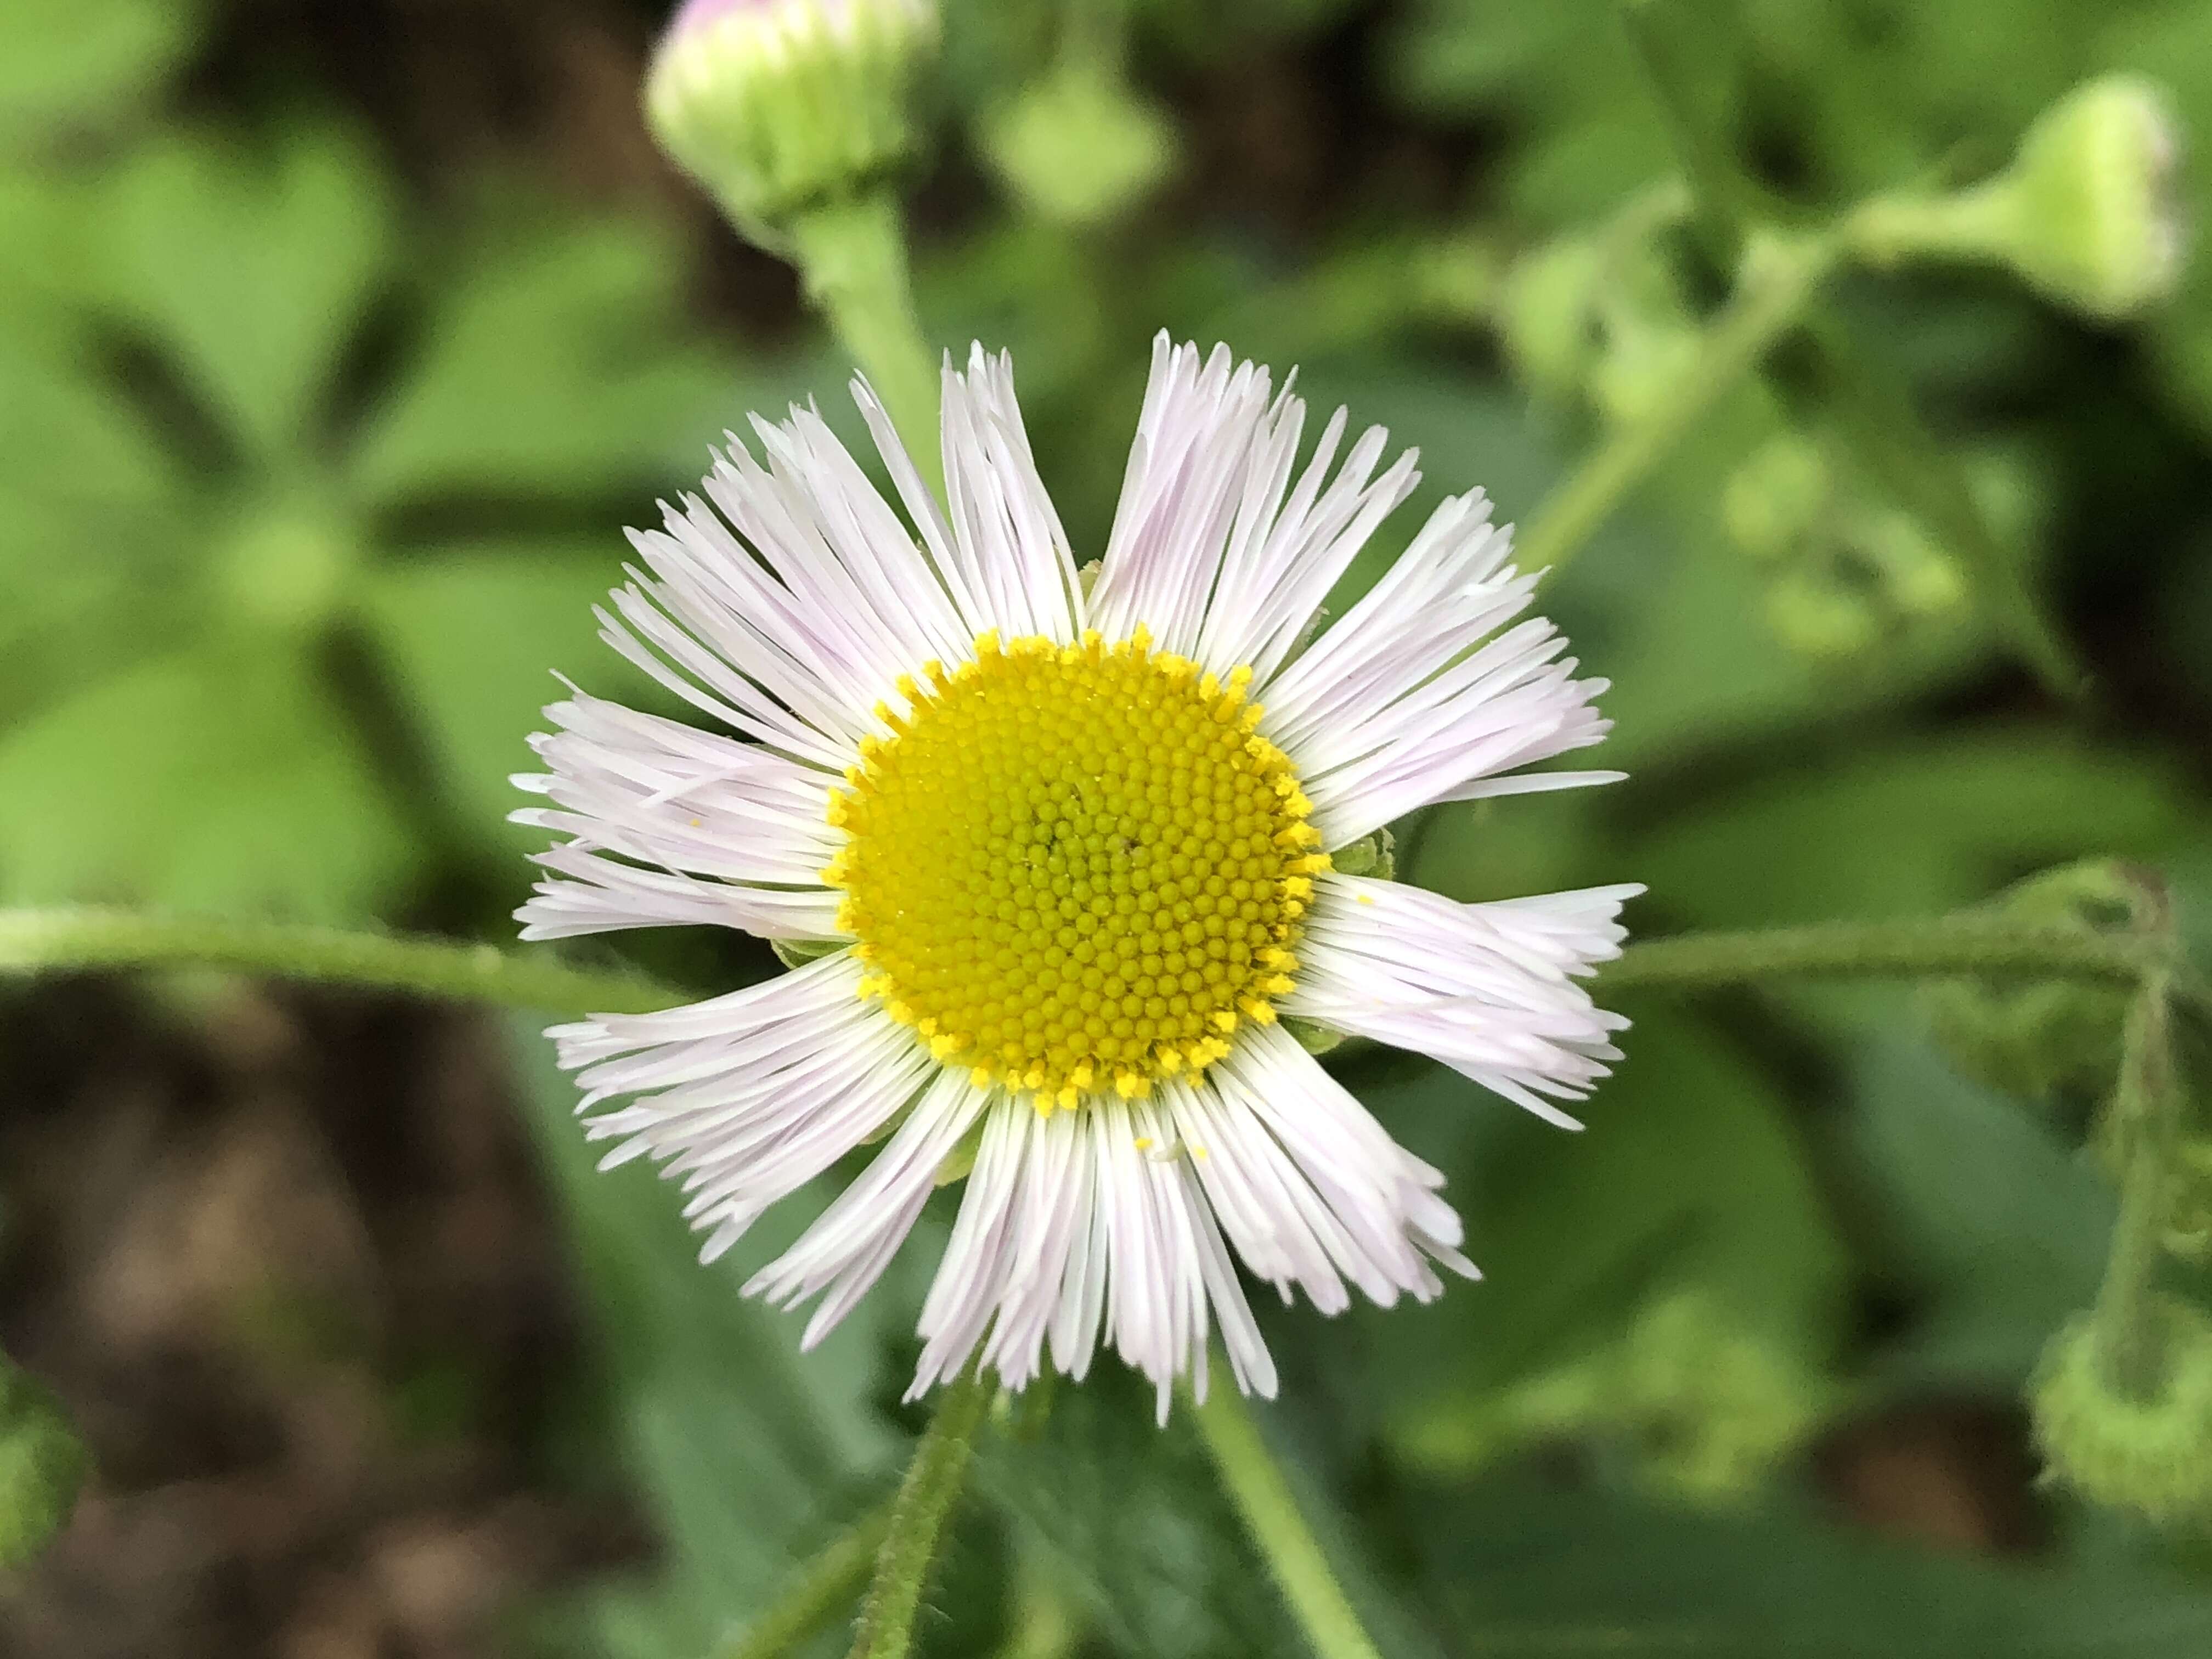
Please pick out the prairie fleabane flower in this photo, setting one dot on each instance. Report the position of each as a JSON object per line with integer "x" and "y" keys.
{"x": 1070, "y": 842}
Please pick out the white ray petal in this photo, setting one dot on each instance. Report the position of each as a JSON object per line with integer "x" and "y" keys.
{"x": 750, "y": 1095}
{"x": 668, "y": 825}
{"x": 1408, "y": 700}
{"x": 1489, "y": 989}
{"x": 845, "y": 1250}
{"x": 1010, "y": 544}
{"x": 1207, "y": 551}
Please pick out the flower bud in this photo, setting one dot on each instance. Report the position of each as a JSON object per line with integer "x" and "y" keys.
{"x": 1775, "y": 498}
{"x": 1819, "y": 617}
{"x": 1080, "y": 147}
{"x": 1545, "y": 315}
{"x": 2153, "y": 1455}
{"x": 1702, "y": 1405}
{"x": 1714, "y": 1405}
{"x": 2085, "y": 213}
{"x": 2039, "y": 1040}
{"x": 42, "y": 1466}
{"x": 1903, "y": 564}
{"x": 777, "y": 105}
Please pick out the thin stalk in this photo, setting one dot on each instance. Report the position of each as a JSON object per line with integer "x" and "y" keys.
{"x": 851, "y": 255}
{"x": 1668, "y": 43}
{"x": 1975, "y": 946}
{"x": 1294, "y": 1556}
{"x": 1769, "y": 302}
{"x": 2127, "y": 1331}
{"x": 823, "y": 1587}
{"x": 78, "y": 941}
{"x": 917, "y": 1515}
{"x": 74, "y": 940}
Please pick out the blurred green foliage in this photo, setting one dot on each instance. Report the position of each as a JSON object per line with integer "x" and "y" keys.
{"x": 309, "y": 475}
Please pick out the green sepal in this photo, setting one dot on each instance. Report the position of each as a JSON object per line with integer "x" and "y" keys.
{"x": 1314, "y": 1039}
{"x": 798, "y": 952}
{"x": 962, "y": 1158}
{"x": 1374, "y": 857}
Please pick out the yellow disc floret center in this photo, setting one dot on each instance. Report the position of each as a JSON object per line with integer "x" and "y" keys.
{"x": 1075, "y": 869}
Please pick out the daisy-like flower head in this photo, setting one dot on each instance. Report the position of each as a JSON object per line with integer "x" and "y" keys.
{"x": 1069, "y": 842}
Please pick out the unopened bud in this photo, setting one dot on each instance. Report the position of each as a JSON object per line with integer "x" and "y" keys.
{"x": 776, "y": 106}
{"x": 2085, "y": 213}
{"x": 1775, "y": 498}
{"x": 2151, "y": 1455}
{"x": 1715, "y": 1406}
{"x": 1818, "y": 617}
{"x": 2039, "y": 1039}
{"x": 1545, "y": 315}
{"x": 1080, "y": 147}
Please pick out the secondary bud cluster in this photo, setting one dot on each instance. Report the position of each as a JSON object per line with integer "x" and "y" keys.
{"x": 2039, "y": 1039}
{"x": 2152, "y": 1455}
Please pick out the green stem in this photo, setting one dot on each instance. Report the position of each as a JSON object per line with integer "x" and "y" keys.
{"x": 825, "y": 1585}
{"x": 1672, "y": 48}
{"x": 1772, "y": 299}
{"x": 1294, "y": 1556}
{"x": 1963, "y": 945}
{"x": 1886, "y": 231}
{"x": 76, "y": 939}
{"x": 925, "y": 1499}
{"x": 2127, "y": 1333}
{"x": 851, "y": 255}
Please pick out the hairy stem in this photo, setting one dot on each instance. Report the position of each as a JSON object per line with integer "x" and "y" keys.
{"x": 916, "y": 1526}
{"x": 851, "y": 255}
{"x": 2126, "y": 1329}
{"x": 1294, "y": 1556}
{"x": 1969, "y": 946}
{"x": 822, "y": 1588}
{"x": 76, "y": 939}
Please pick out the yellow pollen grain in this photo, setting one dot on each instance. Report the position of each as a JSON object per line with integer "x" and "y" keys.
{"x": 1075, "y": 870}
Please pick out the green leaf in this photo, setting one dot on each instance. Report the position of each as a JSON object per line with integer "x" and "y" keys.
{"x": 77, "y": 465}
{"x": 1690, "y": 1180}
{"x": 1133, "y": 1518}
{"x": 748, "y": 1452}
{"x": 222, "y": 778}
{"x": 1525, "y": 1569}
{"x": 1999, "y": 1259}
{"x": 78, "y": 61}
{"x": 476, "y": 636}
{"x": 253, "y": 270}
{"x": 43, "y": 1464}
{"x": 558, "y": 363}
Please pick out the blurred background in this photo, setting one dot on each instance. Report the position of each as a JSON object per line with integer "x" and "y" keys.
{"x": 338, "y": 342}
